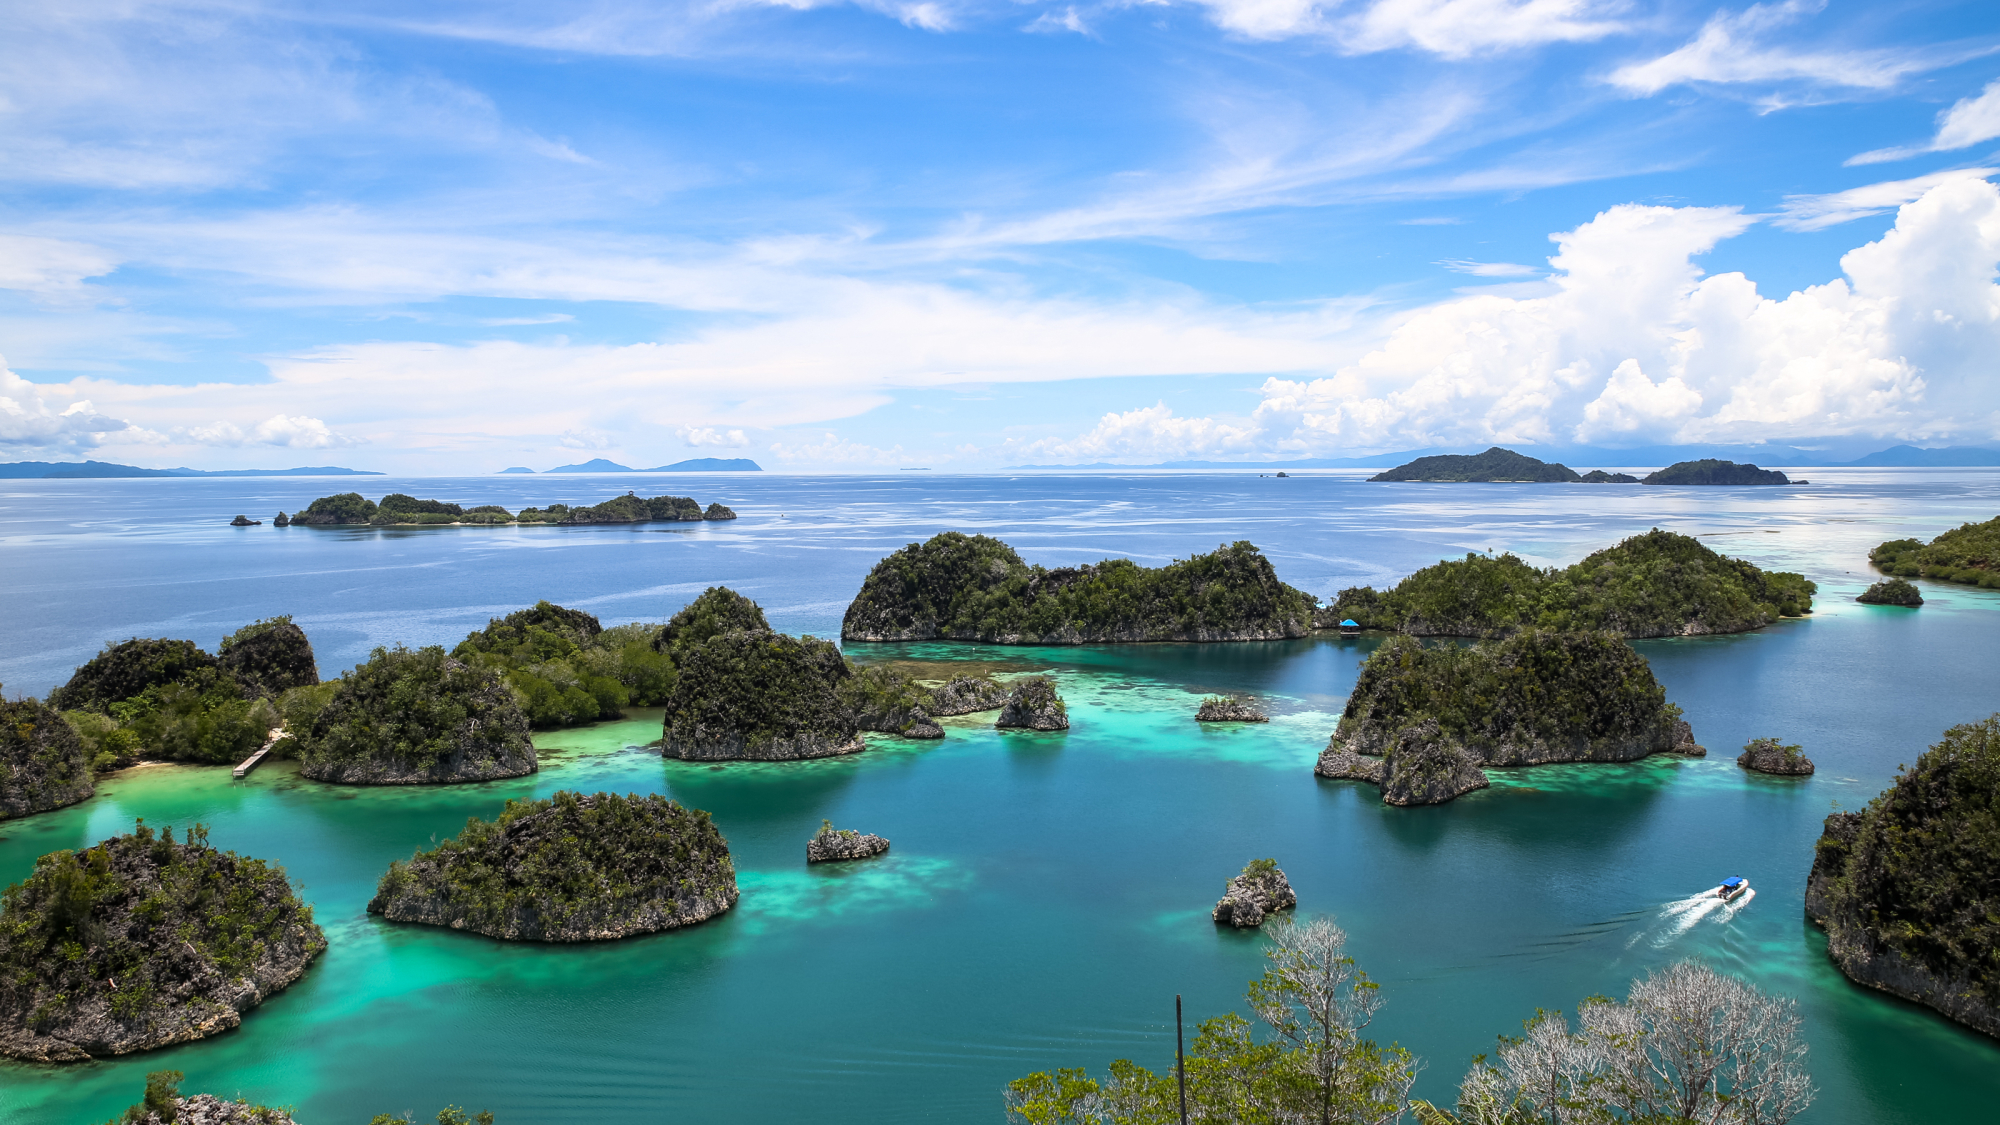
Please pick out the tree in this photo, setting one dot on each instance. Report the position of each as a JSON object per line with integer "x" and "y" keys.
{"x": 1688, "y": 1045}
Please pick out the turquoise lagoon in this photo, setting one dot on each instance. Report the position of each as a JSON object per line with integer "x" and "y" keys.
{"x": 1047, "y": 895}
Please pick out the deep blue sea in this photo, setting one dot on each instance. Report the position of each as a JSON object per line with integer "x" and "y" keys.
{"x": 1047, "y": 895}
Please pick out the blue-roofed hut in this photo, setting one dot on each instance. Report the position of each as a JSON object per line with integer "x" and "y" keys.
{"x": 1350, "y": 628}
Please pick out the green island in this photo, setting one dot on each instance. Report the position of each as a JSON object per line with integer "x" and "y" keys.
{"x": 1687, "y": 1044}
{"x": 1032, "y": 704}
{"x": 143, "y": 941}
{"x": 567, "y": 669}
{"x": 1496, "y": 465}
{"x": 1892, "y": 591}
{"x": 399, "y": 509}
{"x": 170, "y": 700}
{"x": 1708, "y": 470}
{"x": 1435, "y": 715}
{"x": 409, "y": 718}
{"x": 1660, "y": 584}
{"x": 569, "y": 868}
{"x": 761, "y": 696}
{"x": 43, "y": 764}
{"x": 975, "y": 588}
{"x": 1905, "y": 888}
{"x": 1967, "y": 554}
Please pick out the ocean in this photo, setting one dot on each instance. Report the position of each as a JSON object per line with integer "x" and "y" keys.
{"x": 1047, "y": 895}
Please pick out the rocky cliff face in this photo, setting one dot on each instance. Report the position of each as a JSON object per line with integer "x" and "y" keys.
{"x": 142, "y": 942}
{"x": 417, "y": 718}
{"x": 966, "y": 695}
{"x": 761, "y": 696}
{"x": 833, "y": 844}
{"x": 1034, "y": 705}
{"x": 1260, "y": 891}
{"x": 1424, "y": 767}
{"x": 43, "y": 764}
{"x": 570, "y": 868}
{"x": 972, "y": 587}
{"x": 1906, "y": 888}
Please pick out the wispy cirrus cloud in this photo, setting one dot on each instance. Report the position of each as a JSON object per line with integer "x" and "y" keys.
{"x": 1817, "y": 212}
{"x": 1967, "y": 122}
{"x": 1744, "y": 47}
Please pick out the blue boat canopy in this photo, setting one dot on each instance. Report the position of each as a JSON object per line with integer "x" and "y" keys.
{"x": 1350, "y": 623}
{"x": 1733, "y": 881}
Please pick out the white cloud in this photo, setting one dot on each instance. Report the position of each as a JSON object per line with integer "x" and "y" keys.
{"x": 581, "y": 438}
{"x": 1488, "y": 269}
{"x": 29, "y": 427}
{"x": 1968, "y": 122}
{"x": 699, "y": 436}
{"x": 1817, "y": 212}
{"x": 1152, "y": 433}
{"x": 834, "y": 451}
{"x": 1730, "y": 50}
{"x": 1459, "y": 28}
{"x": 49, "y": 265}
{"x": 1636, "y": 346}
{"x": 1052, "y": 21}
{"x": 293, "y": 431}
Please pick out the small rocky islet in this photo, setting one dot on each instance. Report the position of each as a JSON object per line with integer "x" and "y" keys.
{"x": 1768, "y": 755}
{"x": 831, "y": 844}
{"x": 1033, "y": 704}
{"x": 143, "y": 941}
{"x": 570, "y": 868}
{"x": 1260, "y": 891}
{"x": 1229, "y": 709}
{"x": 1424, "y": 721}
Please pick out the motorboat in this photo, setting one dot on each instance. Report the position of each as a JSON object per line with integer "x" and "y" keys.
{"x": 1732, "y": 887}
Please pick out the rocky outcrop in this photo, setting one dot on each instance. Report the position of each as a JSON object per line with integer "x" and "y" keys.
{"x": 1033, "y": 705}
{"x": 1768, "y": 755}
{"x": 283, "y": 520}
{"x": 270, "y": 657}
{"x": 1424, "y": 767}
{"x": 832, "y": 844}
{"x": 1892, "y": 591}
{"x": 144, "y": 942}
{"x": 245, "y": 521}
{"x": 417, "y": 718}
{"x": 966, "y": 695}
{"x": 717, "y": 512}
{"x": 883, "y": 701}
{"x": 43, "y": 764}
{"x": 1906, "y": 888}
{"x": 1229, "y": 709}
{"x": 760, "y": 696}
{"x": 975, "y": 588}
{"x": 1251, "y": 897}
{"x": 1599, "y": 476}
{"x": 570, "y": 868}
{"x": 1340, "y": 763}
{"x": 207, "y": 1109}
{"x": 1684, "y": 743}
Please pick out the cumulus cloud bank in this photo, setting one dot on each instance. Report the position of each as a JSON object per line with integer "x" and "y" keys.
{"x": 1636, "y": 346}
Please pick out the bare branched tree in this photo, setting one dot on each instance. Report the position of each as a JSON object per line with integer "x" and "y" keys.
{"x": 1318, "y": 1002}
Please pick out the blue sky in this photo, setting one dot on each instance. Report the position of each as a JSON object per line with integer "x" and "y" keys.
{"x": 454, "y": 237}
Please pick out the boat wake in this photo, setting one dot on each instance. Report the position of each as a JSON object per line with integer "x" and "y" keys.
{"x": 1681, "y": 915}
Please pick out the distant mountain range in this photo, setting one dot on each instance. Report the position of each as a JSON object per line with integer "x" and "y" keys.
{"x": 1901, "y": 456}
{"x": 698, "y": 465}
{"x": 76, "y": 470}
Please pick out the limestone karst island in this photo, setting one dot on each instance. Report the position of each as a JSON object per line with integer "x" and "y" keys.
{"x": 1390, "y": 562}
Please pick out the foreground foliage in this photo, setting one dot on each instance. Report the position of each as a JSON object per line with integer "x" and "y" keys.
{"x": 163, "y": 1104}
{"x": 569, "y": 868}
{"x": 1969, "y": 553}
{"x": 142, "y": 941}
{"x": 1659, "y": 584}
{"x": 975, "y": 588}
{"x": 1907, "y": 888}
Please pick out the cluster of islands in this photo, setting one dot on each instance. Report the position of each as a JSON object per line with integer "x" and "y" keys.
{"x": 1504, "y": 466}
{"x": 145, "y": 940}
{"x": 399, "y": 509}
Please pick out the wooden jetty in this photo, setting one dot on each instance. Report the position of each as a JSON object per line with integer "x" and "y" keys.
{"x": 251, "y": 762}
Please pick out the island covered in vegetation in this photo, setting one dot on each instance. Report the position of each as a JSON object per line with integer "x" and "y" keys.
{"x": 1969, "y": 553}
{"x": 1435, "y": 715}
{"x": 1892, "y": 591}
{"x": 567, "y": 669}
{"x": 169, "y": 699}
{"x": 975, "y": 588}
{"x": 143, "y": 941}
{"x": 1907, "y": 887}
{"x": 1711, "y": 471}
{"x": 759, "y": 695}
{"x": 43, "y": 764}
{"x": 411, "y": 718}
{"x": 1659, "y": 584}
{"x": 1496, "y": 465}
{"x": 569, "y": 868}
{"x": 403, "y": 510}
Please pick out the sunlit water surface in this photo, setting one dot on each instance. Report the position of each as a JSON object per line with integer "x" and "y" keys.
{"x": 1047, "y": 895}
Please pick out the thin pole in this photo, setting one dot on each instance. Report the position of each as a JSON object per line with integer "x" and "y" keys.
{"x": 1180, "y": 1057}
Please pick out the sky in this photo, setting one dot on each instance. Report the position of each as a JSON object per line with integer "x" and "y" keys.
{"x": 452, "y": 237}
